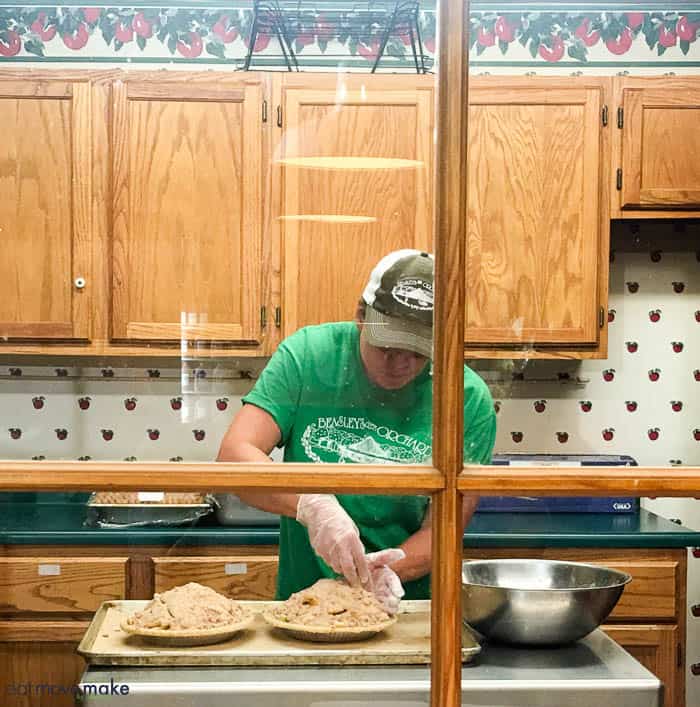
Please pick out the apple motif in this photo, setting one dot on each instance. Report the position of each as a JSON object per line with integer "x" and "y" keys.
{"x": 78, "y": 38}
{"x": 655, "y": 256}
{"x": 676, "y": 405}
{"x": 61, "y": 432}
{"x": 696, "y": 434}
{"x": 485, "y": 38}
{"x": 517, "y": 436}
{"x": 654, "y": 374}
{"x": 17, "y": 372}
{"x": 632, "y": 346}
{"x": 586, "y": 405}
{"x": 130, "y": 403}
{"x": 10, "y": 43}
{"x": 611, "y": 315}
{"x": 653, "y": 433}
{"x": 497, "y": 406}
{"x": 608, "y": 374}
{"x": 198, "y": 435}
{"x": 584, "y": 33}
{"x": 142, "y": 26}
{"x": 621, "y": 44}
{"x": 15, "y": 432}
{"x": 38, "y": 402}
{"x": 504, "y": 30}
{"x": 61, "y": 372}
{"x": 633, "y": 287}
{"x": 631, "y": 405}
{"x": 696, "y": 374}
{"x": 153, "y": 434}
{"x": 43, "y": 27}
{"x": 677, "y": 346}
{"x": 667, "y": 37}
{"x": 697, "y": 316}
{"x": 107, "y": 435}
{"x": 84, "y": 403}
{"x": 176, "y": 403}
{"x": 554, "y": 52}
{"x": 192, "y": 48}
{"x": 91, "y": 14}
{"x": 608, "y": 433}
{"x": 540, "y": 405}
{"x": 563, "y": 437}
{"x": 175, "y": 459}
{"x": 153, "y": 373}
{"x": 654, "y": 315}
{"x": 224, "y": 30}
{"x": 221, "y": 403}
{"x": 107, "y": 373}
{"x": 678, "y": 287}
{"x": 635, "y": 19}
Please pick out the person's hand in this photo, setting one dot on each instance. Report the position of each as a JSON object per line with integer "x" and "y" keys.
{"x": 334, "y": 536}
{"x": 384, "y": 582}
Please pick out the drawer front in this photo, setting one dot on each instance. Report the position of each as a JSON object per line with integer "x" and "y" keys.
{"x": 244, "y": 577}
{"x": 652, "y": 595}
{"x": 60, "y": 584}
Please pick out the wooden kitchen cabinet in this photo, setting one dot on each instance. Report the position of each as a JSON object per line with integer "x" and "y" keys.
{"x": 657, "y": 649}
{"x": 45, "y": 210}
{"x": 649, "y": 620}
{"x": 657, "y": 148}
{"x": 354, "y": 165}
{"x": 538, "y": 228}
{"x": 187, "y": 166}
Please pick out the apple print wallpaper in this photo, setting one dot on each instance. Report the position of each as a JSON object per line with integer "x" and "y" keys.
{"x": 508, "y": 36}
{"x": 643, "y": 400}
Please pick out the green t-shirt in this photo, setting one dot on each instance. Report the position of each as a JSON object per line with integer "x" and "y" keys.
{"x": 328, "y": 411}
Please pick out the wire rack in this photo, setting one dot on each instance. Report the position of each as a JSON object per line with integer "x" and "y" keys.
{"x": 368, "y": 27}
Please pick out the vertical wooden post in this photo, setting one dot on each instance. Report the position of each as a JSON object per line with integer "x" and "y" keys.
{"x": 448, "y": 387}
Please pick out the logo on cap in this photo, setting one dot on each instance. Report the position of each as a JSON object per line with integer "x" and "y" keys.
{"x": 414, "y": 293}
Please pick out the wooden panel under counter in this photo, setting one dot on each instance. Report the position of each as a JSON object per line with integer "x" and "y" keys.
{"x": 66, "y": 585}
{"x": 245, "y": 577}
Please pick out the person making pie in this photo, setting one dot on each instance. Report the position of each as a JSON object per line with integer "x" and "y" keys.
{"x": 358, "y": 392}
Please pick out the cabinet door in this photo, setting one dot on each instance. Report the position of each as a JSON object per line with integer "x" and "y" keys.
{"x": 356, "y": 173}
{"x": 187, "y": 166}
{"x": 657, "y": 648}
{"x": 661, "y": 144}
{"x": 534, "y": 244}
{"x": 45, "y": 188}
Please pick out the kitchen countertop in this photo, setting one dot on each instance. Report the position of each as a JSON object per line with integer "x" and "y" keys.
{"x": 61, "y": 523}
{"x": 594, "y": 672}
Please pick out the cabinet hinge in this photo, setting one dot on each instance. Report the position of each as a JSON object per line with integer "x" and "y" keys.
{"x": 620, "y": 117}
{"x": 604, "y": 116}
{"x": 278, "y": 317}
{"x": 679, "y": 655}
{"x": 279, "y": 116}
{"x": 618, "y": 180}
{"x": 263, "y": 317}
{"x": 264, "y": 111}
{"x": 601, "y": 317}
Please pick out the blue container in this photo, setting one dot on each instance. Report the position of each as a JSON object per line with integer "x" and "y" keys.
{"x": 560, "y": 504}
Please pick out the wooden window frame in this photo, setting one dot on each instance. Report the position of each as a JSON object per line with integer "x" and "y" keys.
{"x": 448, "y": 479}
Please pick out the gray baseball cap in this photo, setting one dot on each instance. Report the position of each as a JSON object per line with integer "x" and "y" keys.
{"x": 399, "y": 299}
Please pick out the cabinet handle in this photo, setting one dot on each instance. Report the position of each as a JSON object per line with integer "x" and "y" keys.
{"x": 696, "y": 552}
{"x": 79, "y": 282}
{"x": 695, "y": 668}
{"x": 695, "y": 610}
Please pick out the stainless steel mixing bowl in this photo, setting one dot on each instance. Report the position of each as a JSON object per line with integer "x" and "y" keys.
{"x": 538, "y": 602}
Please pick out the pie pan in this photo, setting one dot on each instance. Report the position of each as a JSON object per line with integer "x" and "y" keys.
{"x": 188, "y": 637}
{"x": 327, "y": 634}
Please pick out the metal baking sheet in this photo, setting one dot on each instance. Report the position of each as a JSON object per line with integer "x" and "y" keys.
{"x": 112, "y": 515}
{"x": 407, "y": 642}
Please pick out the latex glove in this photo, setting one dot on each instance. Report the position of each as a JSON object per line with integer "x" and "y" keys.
{"x": 384, "y": 582}
{"x": 334, "y": 536}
